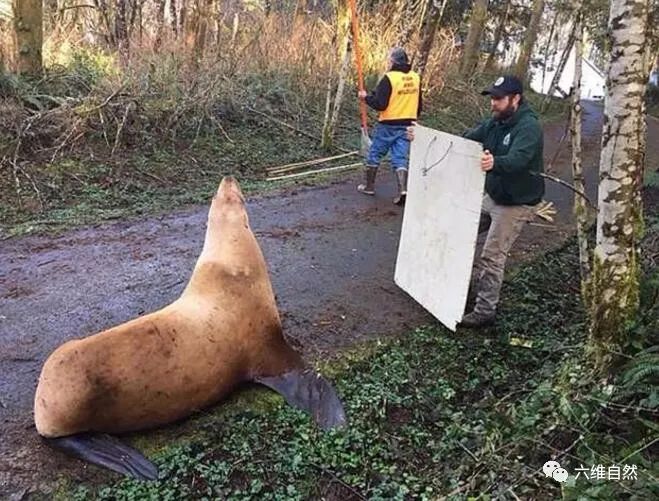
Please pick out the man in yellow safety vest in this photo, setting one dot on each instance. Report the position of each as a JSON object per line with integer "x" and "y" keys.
{"x": 397, "y": 98}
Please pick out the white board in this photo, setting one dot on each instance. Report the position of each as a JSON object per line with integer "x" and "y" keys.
{"x": 440, "y": 223}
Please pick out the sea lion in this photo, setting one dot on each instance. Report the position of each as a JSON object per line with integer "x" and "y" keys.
{"x": 224, "y": 330}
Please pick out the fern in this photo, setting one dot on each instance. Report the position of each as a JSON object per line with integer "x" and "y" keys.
{"x": 643, "y": 371}
{"x": 639, "y": 379}
{"x": 643, "y": 367}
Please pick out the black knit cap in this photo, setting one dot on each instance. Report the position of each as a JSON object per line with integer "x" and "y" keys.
{"x": 399, "y": 56}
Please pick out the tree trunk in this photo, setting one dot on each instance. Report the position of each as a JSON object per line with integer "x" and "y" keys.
{"x": 104, "y": 10}
{"x": 343, "y": 20}
{"x": 160, "y": 23}
{"x": 497, "y": 38}
{"x": 173, "y": 15}
{"x": 135, "y": 9}
{"x": 234, "y": 30}
{"x": 191, "y": 25}
{"x": 140, "y": 21}
{"x": 614, "y": 286}
{"x": 547, "y": 47}
{"x": 202, "y": 14}
{"x": 433, "y": 16}
{"x": 559, "y": 70}
{"x": 473, "y": 44}
{"x": 651, "y": 46}
{"x": 342, "y": 34}
{"x": 422, "y": 17}
{"x": 580, "y": 208}
{"x": 406, "y": 14}
{"x": 214, "y": 25}
{"x": 340, "y": 90}
{"x": 522, "y": 66}
{"x": 121, "y": 28}
{"x": 28, "y": 30}
{"x": 183, "y": 18}
{"x": 326, "y": 136}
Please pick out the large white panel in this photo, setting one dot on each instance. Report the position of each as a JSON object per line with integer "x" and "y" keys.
{"x": 440, "y": 224}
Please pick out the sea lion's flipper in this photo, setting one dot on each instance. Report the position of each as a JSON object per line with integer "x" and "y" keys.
{"x": 108, "y": 452}
{"x": 310, "y": 392}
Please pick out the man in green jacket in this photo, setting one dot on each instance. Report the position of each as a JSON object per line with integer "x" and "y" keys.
{"x": 512, "y": 159}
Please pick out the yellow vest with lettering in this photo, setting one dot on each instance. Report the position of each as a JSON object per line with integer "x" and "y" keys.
{"x": 404, "y": 100}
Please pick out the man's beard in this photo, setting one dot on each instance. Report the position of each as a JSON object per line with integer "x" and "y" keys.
{"x": 504, "y": 114}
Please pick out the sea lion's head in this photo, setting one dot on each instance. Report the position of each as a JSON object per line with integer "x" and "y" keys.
{"x": 229, "y": 238}
{"x": 229, "y": 192}
{"x": 228, "y": 205}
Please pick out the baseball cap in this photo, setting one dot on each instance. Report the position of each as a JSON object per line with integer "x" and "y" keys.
{"x": 504, "y": 86}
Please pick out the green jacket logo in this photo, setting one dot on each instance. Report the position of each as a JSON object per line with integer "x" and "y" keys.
{"x": 506, "y": 139}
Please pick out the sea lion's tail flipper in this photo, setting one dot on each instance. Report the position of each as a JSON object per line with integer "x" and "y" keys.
{"x": 108, "y": 452}
{"x": 310, "y": 392}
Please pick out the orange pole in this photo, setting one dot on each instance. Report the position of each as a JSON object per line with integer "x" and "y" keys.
{"x": 358, "y": 60}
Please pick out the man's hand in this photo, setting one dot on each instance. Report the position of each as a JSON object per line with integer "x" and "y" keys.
{"x": 410, "y": 132}
{"x": 362, "y": 94}
{"x": 487, "y": 161}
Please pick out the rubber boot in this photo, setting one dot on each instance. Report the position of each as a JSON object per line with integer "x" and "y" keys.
{"x": 401, "y": 177}
{"x": 369, "y": 187}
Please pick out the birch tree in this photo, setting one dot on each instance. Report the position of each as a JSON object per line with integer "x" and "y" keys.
{"x": 614, "y": 287}
{"x": 580, "y": 208}
{"x": 344, "y": 72}
{"x": 473, "y": 43}
{"x": 28, "y": 32}
{"x": 342, "y": 39}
